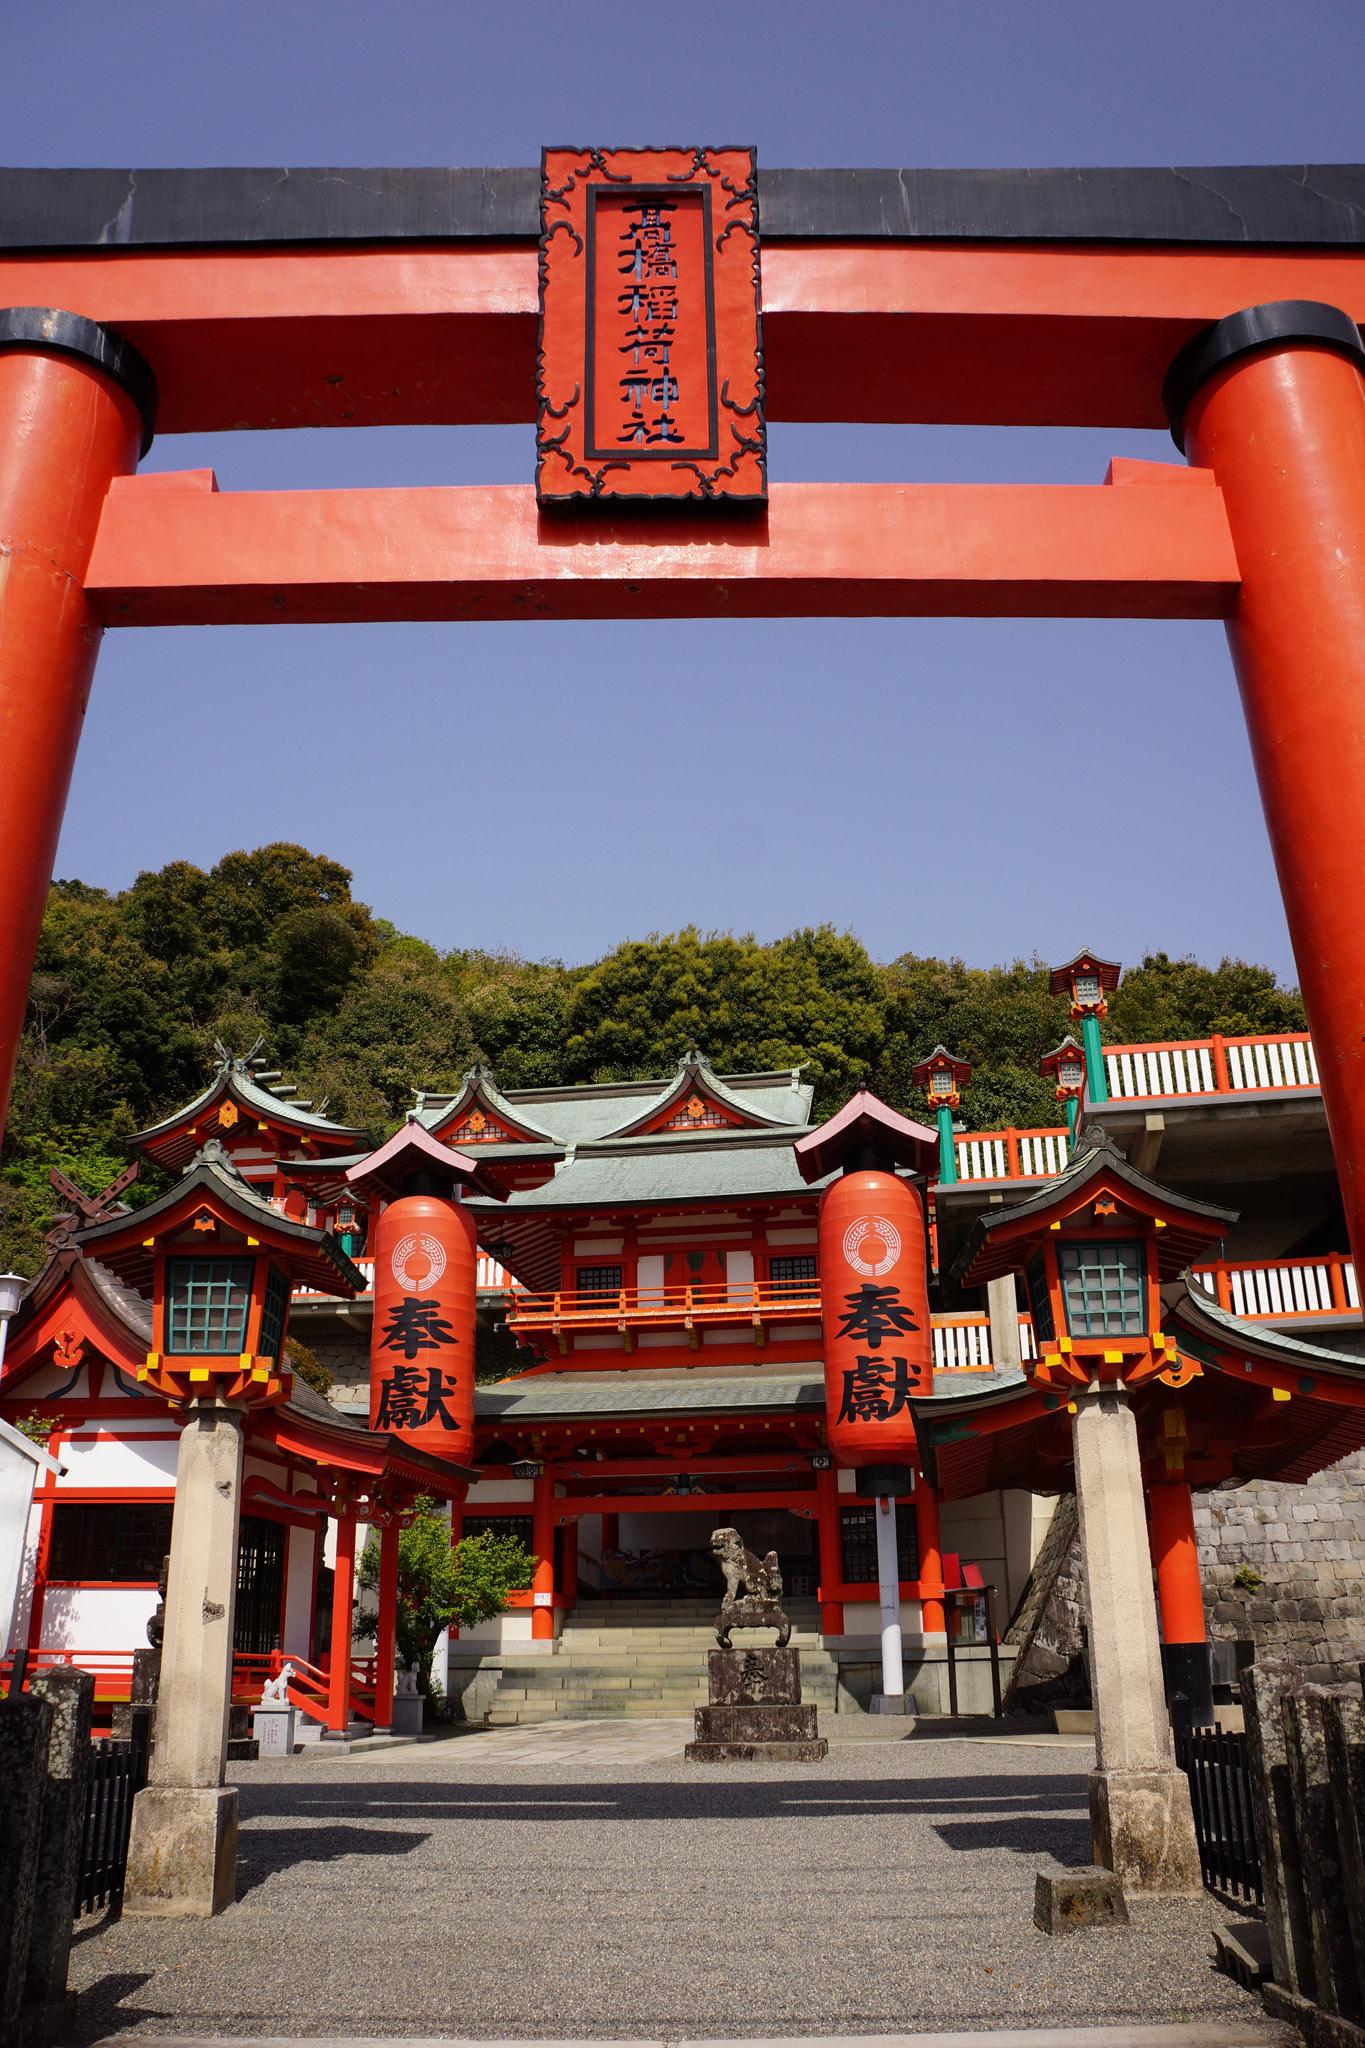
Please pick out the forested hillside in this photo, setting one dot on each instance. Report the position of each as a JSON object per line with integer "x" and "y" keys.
{"x": 131, "y": 990}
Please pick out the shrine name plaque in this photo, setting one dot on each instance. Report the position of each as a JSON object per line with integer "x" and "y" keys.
{"x": 650, "y": 371}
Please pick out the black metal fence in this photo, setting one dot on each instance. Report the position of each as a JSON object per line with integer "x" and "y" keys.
{"x": 118, "y": 1772}
{"x": 1215, "y": 1761}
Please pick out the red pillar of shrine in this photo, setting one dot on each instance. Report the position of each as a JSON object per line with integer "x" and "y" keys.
{"x": 76, "y": 404}
{"x": 343, "y": 1594}
{"x": 1180, "y": 1597}
{"x": 611, "y": 1533}
{"x": 386, "y": 1638}
{"x": 570, "y": 1562}
{"x": 543, "y": 1544}
{"x": 831, "y": 1551}
{"x": 1272, "y": 400}
{"x": 932, "y": 1614}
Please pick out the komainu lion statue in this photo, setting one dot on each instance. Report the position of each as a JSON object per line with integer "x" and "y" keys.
{"x": 753, "y": 1589}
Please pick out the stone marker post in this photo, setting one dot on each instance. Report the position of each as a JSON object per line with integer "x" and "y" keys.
{"x": 1265, "y": 1686}
{"x": 182, "y": 1857}
{"x": 1141, "y": 1821}
{"x": 1344, "y": 1727}
{"x": 25, "y": 1732}
{"x": 1329, "y": 1927}
{"x": 71, "y": 1695}
{"x": 1002, "y": 1307}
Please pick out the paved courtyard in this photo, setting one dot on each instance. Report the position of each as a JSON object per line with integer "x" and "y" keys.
{"x": 582, "y": 1880}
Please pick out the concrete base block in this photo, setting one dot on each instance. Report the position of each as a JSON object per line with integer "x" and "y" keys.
{"x": 1142, "y": 1828}
{"x": 890, "y": 1703}
{"x": 1065, "y": 1901}
{"x": 407, "y": 1715}
{"x": 307, "y": 1732}
{"x": 182, "y": 1854}
{"x": 273, "y": 1728}
{"x": 757, "y": 1752}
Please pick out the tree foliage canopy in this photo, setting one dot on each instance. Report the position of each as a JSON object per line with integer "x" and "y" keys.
{"x": 440, "y": 1586}
{"x": 130, "y": 990}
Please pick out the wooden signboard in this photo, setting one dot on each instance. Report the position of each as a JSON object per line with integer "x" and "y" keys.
{"x": 651, "y": 363}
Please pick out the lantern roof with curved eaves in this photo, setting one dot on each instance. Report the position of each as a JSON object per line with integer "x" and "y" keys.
{"x": 125, "y": 1243}
{"x": 75, "y": 1301}
{"x": 866, "y": 1124}
{"x": 1066, "y": 1049}
{"x": 935, "y": 1061}
{"x": 1107, "y": 973}
{"x": 999, "y": 1240}
{"x": 252, "y": 1097}
{"x": 412, "y": 1153}
{"x": 1255, "y": 1405}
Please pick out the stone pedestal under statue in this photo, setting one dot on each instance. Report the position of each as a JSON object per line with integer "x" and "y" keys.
{"x": 756, "y": 1714}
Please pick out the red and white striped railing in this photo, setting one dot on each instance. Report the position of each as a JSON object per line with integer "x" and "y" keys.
{"x": 1277, "y": 1289}
{"x": 490, "y": 1278}
{"x": 962, "y": 1343}
{"x": 1258, "y": 1065}
{"x": 1011, "y": 1154}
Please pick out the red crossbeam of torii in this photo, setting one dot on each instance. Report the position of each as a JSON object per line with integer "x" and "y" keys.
{"x": 1224, "y": 301}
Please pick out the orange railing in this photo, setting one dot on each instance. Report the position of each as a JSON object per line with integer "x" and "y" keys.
{"x": 112, "y": 1670}
{"x": 1256, "y": 1065}
{"x": 634, "y": 1308}
{"x": 1011, "y": 1154}
{"x": 309, "y": 1685}
{"x": 1261, "y": 1290}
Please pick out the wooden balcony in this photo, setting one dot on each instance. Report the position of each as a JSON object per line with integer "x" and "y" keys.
{"x": 689, "y": 1310}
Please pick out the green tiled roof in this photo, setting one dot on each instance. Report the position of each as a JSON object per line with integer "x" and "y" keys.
{"x": 706, "y": 1168}
{"x": 584, "y": 1115}
{"x": 545, "y": 1396}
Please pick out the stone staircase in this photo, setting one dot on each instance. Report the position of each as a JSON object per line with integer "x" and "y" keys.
{"x": 641, "y": 1660}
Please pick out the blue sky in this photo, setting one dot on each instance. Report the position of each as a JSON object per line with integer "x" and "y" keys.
{"x": 553, "y": 789}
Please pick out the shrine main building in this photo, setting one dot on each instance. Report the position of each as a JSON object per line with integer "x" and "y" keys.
{"x": 651, "y": 1364}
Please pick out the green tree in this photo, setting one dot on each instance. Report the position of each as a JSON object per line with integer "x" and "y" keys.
{"x": 440, "y": 1587}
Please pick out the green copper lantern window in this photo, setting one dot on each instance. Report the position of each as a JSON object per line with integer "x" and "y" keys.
{"x": 274, "y": 1309}
{"x": 1070, "y": 1072}
{"x": 1103, "y": 1288}
{"x": 207, "y": 1301}
{"x": 1088, "y": 990}
{"x": 941, "y": 1081}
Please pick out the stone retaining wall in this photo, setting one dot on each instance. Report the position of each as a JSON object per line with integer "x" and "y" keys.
{"x": 1305, "y": 1545}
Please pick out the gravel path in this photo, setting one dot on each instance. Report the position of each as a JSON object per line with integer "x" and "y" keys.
{"x": 587, "y": 1882}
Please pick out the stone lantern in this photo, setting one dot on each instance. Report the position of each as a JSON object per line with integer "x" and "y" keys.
{"x": 219, "y": 1263}
{"x": 1094, "y": 1248}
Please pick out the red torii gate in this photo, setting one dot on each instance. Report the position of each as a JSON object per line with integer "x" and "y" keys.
{"x": 1224, "y": 301}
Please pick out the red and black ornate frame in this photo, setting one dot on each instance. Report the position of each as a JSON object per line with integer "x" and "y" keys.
{"x": 706, "y": 352}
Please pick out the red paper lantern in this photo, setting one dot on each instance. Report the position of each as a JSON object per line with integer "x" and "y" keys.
{"x": 422, "y": 1341}
{"x": 875, "y": 1293}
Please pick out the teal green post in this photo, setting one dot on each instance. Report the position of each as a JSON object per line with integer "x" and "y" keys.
{"x": 1071, "y": 1122}
{"x": 1094, "y": 1059}
{"x": 947, "y": 1151}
